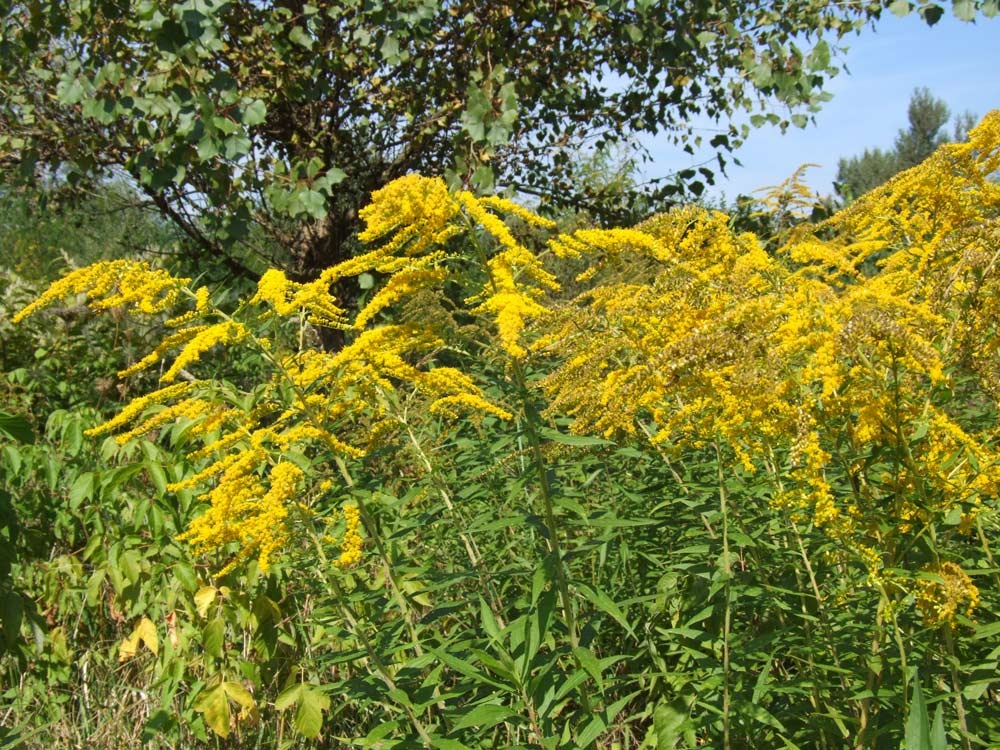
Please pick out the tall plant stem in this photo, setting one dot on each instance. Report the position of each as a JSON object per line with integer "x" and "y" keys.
{"x": 544, "y": 490}
{"x": 727, "y": 578}
{"x": 471, "y": 548}
{"x": 552, "y": 526}
{"x": 390, "y": 571}
{"x": 354, "y": 622}
{"x": 956, "y": 685}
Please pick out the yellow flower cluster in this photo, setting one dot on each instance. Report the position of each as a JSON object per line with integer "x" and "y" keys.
{"x": 243, "y": 511}
{"x": 350, "y": 545}
{"x": 828, "y": 364}
{"x": 941, "y": 598}
{"x": 287, "y": 298}
{"x": 843, "y": 345}
{"x": 114, "y": 283}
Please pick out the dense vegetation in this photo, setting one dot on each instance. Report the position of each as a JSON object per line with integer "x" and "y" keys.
{"x": 647, "y": 487}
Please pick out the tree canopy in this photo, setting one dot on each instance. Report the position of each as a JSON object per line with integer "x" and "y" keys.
{"x": 266, "y": 125}
{"x": 927, "y": 115}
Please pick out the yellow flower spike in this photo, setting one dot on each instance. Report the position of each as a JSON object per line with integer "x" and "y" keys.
{"x": 412, "y": 210}
{"x": 137, "y": 406}
{"x": 170, "y": 342}
{"x": 350, "y": 545}
{"x": 114, "y": 283}
{"x": 509, "y": 207}
{"x": 224, "y": 333}
{"x": 288, "y": 298}
{"x": 401, "y": 285}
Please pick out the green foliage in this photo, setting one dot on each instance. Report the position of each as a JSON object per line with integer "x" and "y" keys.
{"x": 285, "y": 116}
{"x": 45, "y": 229}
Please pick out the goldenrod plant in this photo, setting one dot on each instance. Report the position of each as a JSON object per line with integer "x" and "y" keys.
{"x": 716, "y": 496}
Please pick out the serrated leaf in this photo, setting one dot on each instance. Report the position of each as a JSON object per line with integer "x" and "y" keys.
{"x": 309, "y": 715}
{"x": 239, "y": 694}
{"x": 82, "y": 489}
{"x": 212, "y": 637}
{"x": 203, "y": 599}
{"x": 288, "y": 697}
{"x": 900, "y": 8}
{"x": 964, "y": 10}
{"x": 300, "y": 37}
{"x": 819, "y": 58}
{"x": 158, "y": 476}
{"x": 213, "y": 705}
{"x": 254, "y": 113}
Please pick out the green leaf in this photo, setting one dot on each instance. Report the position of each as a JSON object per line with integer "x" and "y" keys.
{"x": 931, "y": 14}
{"x": 70, "y": 91}
{"x": 81, "y": 489}
{"x": 12, "y": 457}
{"x": 309, "y": 715}
{"x": 485, "y": 716}
{"x": 819, "y": 58}
{"x": 578, "y": 440}
{"x": 289, "y": 697}
{"x": 11, "y": 614}
{"x": 237, "y": 145}
{"x": 212, "y": 637}
{"x": 254, "y": 113}
{"x": 313, "y": 203}
{"x": 239, "y": 694}
{"x": 16, "y": 427}
{"x": 917, "y": 723}
{"x": 668, "y": 723}
{"x": 964, "y": 10}
{"x": 158, "y": 475}
{"x": 390, "y": 49}
{"x": 603, "y": 602}
{"x": 299, "y": 36}
{"x": 591, "y": 664}
{"x": 900, "y": 8}
{"x": 939, "y": 740}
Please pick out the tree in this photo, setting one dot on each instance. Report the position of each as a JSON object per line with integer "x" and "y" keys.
{"x": 927, "y": 117}
{"x": 261, "y": 128}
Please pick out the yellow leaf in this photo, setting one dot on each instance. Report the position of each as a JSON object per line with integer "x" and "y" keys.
{"x": 239, "y": 694}
{"x": 204, "y": 598}
{"x": 128, "y": 647}
{"x": 145, "y": 633}
{"x": 214, "y": 706}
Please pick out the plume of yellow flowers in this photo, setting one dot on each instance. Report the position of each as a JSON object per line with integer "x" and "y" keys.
{"x": 844, "y": 345}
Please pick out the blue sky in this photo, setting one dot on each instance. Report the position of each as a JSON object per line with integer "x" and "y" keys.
{"x": 959, "y": 62}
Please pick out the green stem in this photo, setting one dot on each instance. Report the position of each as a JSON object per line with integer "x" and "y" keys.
{"x": 552, "y": 525}
{"x": 956, "y": 686}
{"x": 353, "y": 621}
{"x": 727, "y": 577}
